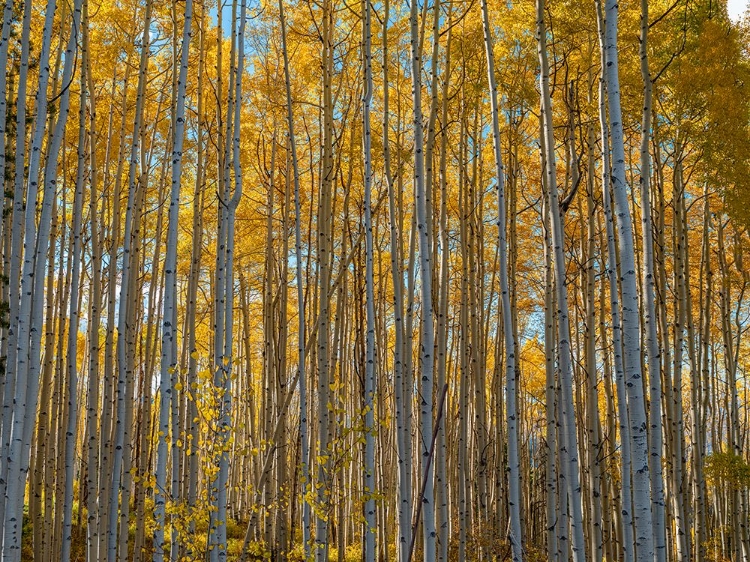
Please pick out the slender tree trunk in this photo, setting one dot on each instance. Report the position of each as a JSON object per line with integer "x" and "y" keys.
{"x": 400, "y": 360}
{"x": 168, "y": 337}
{"x": 92, "y": 395}
{"x": 652, "y": 341}
{"x": 71, "y": 433}
{"x": 370, "y": 365}
{"x": 441, "y": 479}
{"x": 514, "y": 495}
{"x": 628, "y": 544}
{"x": 642, "y": 517}
{"x": 421, "y": 198}
{"x": 324, "y": 480}
{"x": 569, "y": 447}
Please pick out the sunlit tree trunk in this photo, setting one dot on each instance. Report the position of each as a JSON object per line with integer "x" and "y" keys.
{"x": 7, "y": 22}
{"x": 106, "y": 445}
{"x": 569, "y": 447}
{"x": 626, "y": 519}
{"x": 14, "y": 281}
{"x": 642, "y": 517}
{"x": 324, "y": 480}
{"x": 227, "y": 350}
{"x": 29, "y": 322}
{"x": 550, "y": 393}
{"x": 400, "y": 360}
{"x": 123, "y": 305}
{"x": 370, "y": 364}
{"x": 652, "y": 340}
{"x": 441, "y": 453}
{"x": 71, "y": 433}
{"x": 168, "y": 336}
{"x": 301, "y": 336}
{"x": 192, "y": 421}
{"x": 514, "y": 492}
{"x": 427, "y": 344}
{"x": 93, "y": 387}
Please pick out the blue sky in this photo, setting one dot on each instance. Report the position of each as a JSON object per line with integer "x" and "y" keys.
{"x": 736, "y": 8}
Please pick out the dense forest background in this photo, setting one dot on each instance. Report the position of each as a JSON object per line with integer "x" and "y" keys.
{"x": 458, "y": 280}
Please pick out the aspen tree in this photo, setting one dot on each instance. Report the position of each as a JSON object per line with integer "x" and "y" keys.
{"x": 14, "y": 270}
{"x": 93, "y": 392}
{"x": 324, "y": 478}
{"x": 17, "y": 236}
{"x": 402, "y": 395}
{"x": 553, "y": 492}
{"x": 642, "y": 517}
{"x": 514, "y": 492}
{"x": 14, "y": 281}
{"x": 682, "y": 326}
{"x": 216, "y": 494}
{"x": 269, "y": 366}
{"x": 146, "y": 423}
{"x": 649, "y": 318}
{"x": 464, "y": 507}
{"x": 301, "y": 342}
{"x": 7, "y": 18}
{"x": 131, "y": 217}
{"x": 169, "y": 337}
{"x": 226, "y": 350}
{"x": 29, "y": 319}
{"x": 622, "y": 412}
{"x": 569, "y": 446}
{"x": 228, "y": 314}
{"x": 106, "y": 453}
{"x": 72, "y": 349}
{"x": 281, "y": 523}
{"x": 41, "y": 511}
{"x": 425, "y": 266}
{"x": 370, "y": 365}
{"x": 697, "y": 390}
{"x": 190, "y": 342}
{"x": 592, "y": 383}
{"x": 441, "y": 478}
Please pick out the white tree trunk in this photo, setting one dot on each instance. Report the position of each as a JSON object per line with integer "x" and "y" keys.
{"x": 14, "y": 293}
{"x": 644, "y": 532}
{"x": 569, "y": 463}
{"x": 370, "y": 366}
{"x": 71, "y": 433}
{"x": 169, "y": 328}
{"x": 31, "y": 303}
{"x": 403, "y": 422}
{"x": 301, "y": 343}
{"x": 628, "y": 544}
{"x": 514, "y": 465}
{"x": 425, "y": 269}
{"x": 124, "y": 298}
{"x": 653, "y": 351}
